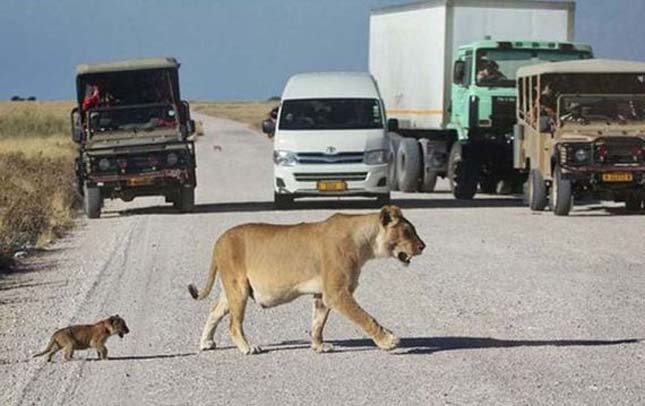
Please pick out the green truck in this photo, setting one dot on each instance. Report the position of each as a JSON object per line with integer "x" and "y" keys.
{"x": 446, "y": 70}
{"x": 132, "y": 131}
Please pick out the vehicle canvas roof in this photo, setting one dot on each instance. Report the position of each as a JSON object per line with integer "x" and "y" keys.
{"x": 583, "y": 66}
{"x": 320, "y": 85}
{"x": 127, "y": 64}
{"x": 530, "y": 4}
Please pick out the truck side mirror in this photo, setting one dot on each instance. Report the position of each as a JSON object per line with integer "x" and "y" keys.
{"x": 268, "y": 126}
{"x": 458, "y": 73}
{"x": 77, "y": 132}
{"x": 393, "y": 125}
{"x": 191, "y": 126}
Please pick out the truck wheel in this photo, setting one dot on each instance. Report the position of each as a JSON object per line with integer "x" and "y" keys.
{"x": 536, "y": 191}
{"x": 282, "y": 201}
{"x": 561, "y": 196}
{"x": 186, "y": 199}
{"x": 408, "y": 165}
{"x": 488, "y": 185}
{"x": 633, "y": 203}
{"x": 392, "y": 174}
{"x": 462, "y": 174}
{"x": 92, "y": 201}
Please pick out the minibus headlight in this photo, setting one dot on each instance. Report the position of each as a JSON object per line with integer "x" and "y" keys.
{"x": 284, "y": 158}
{"x": 376, "y": 157}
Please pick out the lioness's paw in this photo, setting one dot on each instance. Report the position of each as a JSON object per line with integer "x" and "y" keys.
{"x": 253, "y": 350}
{"x": 388, "y": 342}
{"x": 322, "y": 347}
{"x": 207, "y": 345}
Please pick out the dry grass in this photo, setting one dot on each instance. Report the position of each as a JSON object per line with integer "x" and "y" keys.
{"x": 251, "y": 113}
{"x": 38, "y": 196}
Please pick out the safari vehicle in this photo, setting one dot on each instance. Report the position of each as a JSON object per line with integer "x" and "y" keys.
{"x": 330, "y": 138}
{"x": 580, "y": 132}
{"x": 132, "y": 129}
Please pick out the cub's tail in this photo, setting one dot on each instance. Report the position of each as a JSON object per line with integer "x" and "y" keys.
{"x": 192, "y": 289}
{"x": 48, "y": 349}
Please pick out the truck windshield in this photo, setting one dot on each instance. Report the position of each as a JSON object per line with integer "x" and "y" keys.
{"x": 583, "y": 109}
{"x": 132, "y": 118}
{"x": 331, "y": 114}
{"x": 498, "y": 67}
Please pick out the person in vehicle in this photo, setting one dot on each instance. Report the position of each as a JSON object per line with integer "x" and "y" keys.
{"x": 489, "y": 72}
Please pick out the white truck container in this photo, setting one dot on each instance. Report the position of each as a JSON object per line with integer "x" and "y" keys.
{"x": 412, "y": 50}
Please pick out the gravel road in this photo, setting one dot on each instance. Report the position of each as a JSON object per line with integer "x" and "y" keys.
{"x": 505, "y": 307}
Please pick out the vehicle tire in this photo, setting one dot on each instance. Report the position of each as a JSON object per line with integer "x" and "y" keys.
{"x": 392, "y": 175}
{"x": 462, "y": 174}
{"x": 186, "y": 199}
{"x": 633, "y": 203}
{"x": 282, "y": 201}
{"x": 92, "y": 201}
{"x": 382, "y": 200}
{"x": 561, "y": 194}
{"x": 429, "y": 181}
{"x": 536, "y": 192}
{"x": 488, "y": 185}
{"x": 408, "y": 165}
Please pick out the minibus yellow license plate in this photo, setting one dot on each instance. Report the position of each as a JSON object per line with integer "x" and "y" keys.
{"x": 331, "y": 185}
{"x": 617, "y": 177}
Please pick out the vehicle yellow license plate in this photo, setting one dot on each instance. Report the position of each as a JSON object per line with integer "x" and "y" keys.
{"x": 140, "y": 181}
{"x": 617, "y": 177}
{"x": 331, "y": 185}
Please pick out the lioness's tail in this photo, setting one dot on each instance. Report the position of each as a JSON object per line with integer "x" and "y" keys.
{"x": 48, "y": 349}
{"x": 212, "y": 273}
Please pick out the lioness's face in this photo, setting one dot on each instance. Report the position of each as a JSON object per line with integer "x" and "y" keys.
{"x": 400, "y": 237}
{"x": 118, "y": 326}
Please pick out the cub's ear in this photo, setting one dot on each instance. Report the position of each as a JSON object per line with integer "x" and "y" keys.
{"x": 390, "y": 215}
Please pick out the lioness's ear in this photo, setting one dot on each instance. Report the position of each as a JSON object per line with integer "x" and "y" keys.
{"x": 390, "y": 214}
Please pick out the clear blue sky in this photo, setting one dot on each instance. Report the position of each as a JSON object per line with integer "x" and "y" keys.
{"x": 230, "y": 49}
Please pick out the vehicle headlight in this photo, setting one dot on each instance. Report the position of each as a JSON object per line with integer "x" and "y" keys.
{"x": 378, "y": 156}
{"x": 581, "y": 155}
{"x": 171, "y": 159}
{"x": 284, "y": 158}
{"x": 104, "y": 164}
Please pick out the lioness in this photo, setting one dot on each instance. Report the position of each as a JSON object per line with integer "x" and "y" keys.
{"x": 274, "y": 264}
{"x": 82, "y": 337}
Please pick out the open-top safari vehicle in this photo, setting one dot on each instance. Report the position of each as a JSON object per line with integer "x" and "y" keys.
{"x": 132, "y": 129}
{"x": 580, "y": 132}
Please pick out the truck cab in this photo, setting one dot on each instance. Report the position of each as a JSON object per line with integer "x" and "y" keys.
{"x": 132, "y": 130}
{"x": 482, "y": 109}
{"x": 581, "y": 133}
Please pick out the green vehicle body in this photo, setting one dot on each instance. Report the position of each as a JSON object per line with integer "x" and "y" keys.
{"x": 482, "y": 115}
{"x": 132, "y": 131}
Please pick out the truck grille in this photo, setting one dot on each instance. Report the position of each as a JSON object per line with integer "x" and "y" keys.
{"x": 503, "y": 111}
{"x": 347, "y": 176}
{"x": 614, "y": 151}
{"x": 320, "y": 158}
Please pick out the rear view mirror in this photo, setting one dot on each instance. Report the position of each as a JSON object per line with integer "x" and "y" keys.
{"x": 458, "y": 73}
{"x": 191, "y": 126}
{"x": 77, "y": 132}
{"x": 268, "y": 127}
{"x": 393, "y": 125}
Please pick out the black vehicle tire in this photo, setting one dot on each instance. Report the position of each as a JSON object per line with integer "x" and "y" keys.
{"x": 561, "y": 194}
{"x": 382, "y": 200}
{"x": 462, "y": 174}
{"x": 92, "y": 201}
{"x": 408, "y": 165}
{"x": 633, "y": 203}
{"x": 488, "y": 185}
{"x": 392, "y": 174}
{"x": 186, "y": 199}
{"x": 536, "y": 191}
{"x": 282, "y": 201}
{"x": 429, "y": 181}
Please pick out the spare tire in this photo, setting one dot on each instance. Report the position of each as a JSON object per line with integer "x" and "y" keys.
{"x": 408, "y": 165}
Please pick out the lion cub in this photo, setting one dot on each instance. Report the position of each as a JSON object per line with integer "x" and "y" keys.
{"x": 82, "y": 337}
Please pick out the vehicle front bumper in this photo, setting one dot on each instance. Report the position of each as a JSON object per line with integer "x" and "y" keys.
{"x": 302, "y": 180}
